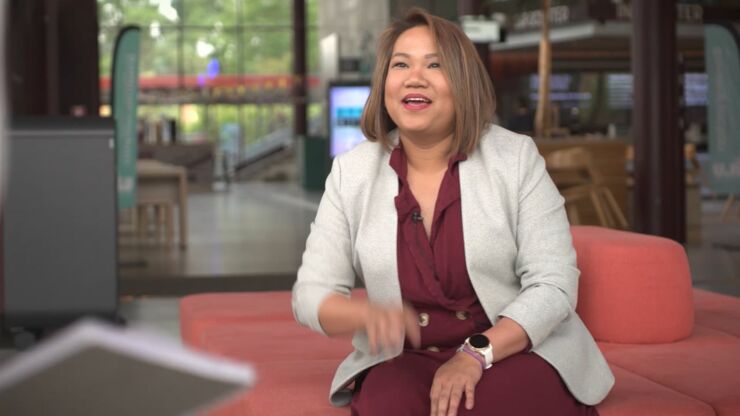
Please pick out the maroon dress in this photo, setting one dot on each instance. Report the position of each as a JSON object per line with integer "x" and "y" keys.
{"x": 434, "y": 279}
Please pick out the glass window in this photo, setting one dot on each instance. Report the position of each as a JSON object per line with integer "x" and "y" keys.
{"x": 154, "y": 123}
{"x": 215, "y": 13}
{"x": 109, "y": 13}
{"x": 158, "y": 52}
{"x": 267, "y": 51}
{"x": 226, "y": 128}
{"x": 193, "y": 123}
{"x": 206, "y": 39}
{"x": 312, "y": 36}
{"x": 155, "y": 112}
{"x": 146, "y": 12}
{"x": 209, "y": 53}
{"x": 106, "y": 42}
{"x": 267, "y": 12}
{"x": 312, "y": 50}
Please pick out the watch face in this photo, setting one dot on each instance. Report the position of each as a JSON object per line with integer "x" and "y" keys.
{"x": 478, "y": 341}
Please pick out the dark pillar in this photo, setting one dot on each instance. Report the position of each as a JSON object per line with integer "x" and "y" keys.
{"x": 78, "y": 57}
{"x": 469, "y": 7}
{"x": 2, "y": 262}
{"x": 659, "y": 193}
{"x": 300, "y": 124}
{"x": 51, "y": 30}
{"x": 52, "y": 63}
{"x": 26, "y": 62}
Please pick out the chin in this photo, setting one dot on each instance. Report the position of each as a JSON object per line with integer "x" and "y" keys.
{"x": 414, "y": 126}
{"x": 413, "y": 129}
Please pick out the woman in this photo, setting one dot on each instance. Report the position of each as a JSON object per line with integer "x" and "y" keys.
{"x": 462, "y": 242}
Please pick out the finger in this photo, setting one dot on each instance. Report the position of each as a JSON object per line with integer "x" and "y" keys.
{"x": 443, "y": 401}
{"x": 394, "y": 329}
{"x": 433, "y": 395}
{"x": 383, "y": 331}
{"x": 390, "y": 330}
{"x": 455, "y": 397}
{"x": 372, "y": 337}
{"x": 469, "y": 395}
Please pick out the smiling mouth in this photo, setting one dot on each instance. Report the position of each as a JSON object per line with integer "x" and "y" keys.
{"x": 416, "y": 100}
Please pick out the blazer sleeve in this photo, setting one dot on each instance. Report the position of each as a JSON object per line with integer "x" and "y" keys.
{"x": 546, "y": 260}
{"x": 326, "y": 267}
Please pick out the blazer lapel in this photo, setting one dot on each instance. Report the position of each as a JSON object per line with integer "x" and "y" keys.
{"x": 485, "y": 232}
{"x": 378, "y": 248}
{"x": 472, "y": 200}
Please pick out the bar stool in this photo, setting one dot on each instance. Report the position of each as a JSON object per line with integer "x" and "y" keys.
{"x": 573, "y": 174}
{"x": 161, "y": 216}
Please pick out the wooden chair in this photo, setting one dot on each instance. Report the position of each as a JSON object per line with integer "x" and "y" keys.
{"x": 575, "y": 177}
{"x": 727, "y": 208}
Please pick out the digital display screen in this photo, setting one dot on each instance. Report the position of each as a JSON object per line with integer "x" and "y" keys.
{"x": 695, "y": 89}
{"x": 565, "y": 89}
{"x": 346, "y": 103}
{"x": 619, "y": 89}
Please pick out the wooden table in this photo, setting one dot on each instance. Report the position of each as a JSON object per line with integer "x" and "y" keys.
{"x": 163, "y": 183}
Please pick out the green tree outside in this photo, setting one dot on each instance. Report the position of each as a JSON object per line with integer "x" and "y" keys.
{"x": 181, "y": 37}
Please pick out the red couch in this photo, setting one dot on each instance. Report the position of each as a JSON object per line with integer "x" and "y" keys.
{"x": 674, "y": 350}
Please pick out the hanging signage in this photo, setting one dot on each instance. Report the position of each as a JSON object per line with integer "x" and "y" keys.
{"x": 482, "y": 31}
{"x": 561, "y": 15}
{"x": 685, "y": 13}
{"x": 722, "y": 54}
{"x": 124, "y": 100}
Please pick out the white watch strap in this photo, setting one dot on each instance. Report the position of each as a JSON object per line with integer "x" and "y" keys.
{"x": 488, "y": 355}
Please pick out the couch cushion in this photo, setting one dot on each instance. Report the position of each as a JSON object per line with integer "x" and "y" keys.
{"x": 705, "y": 366}
{"x": 202, "y": 311}
{"x": 265, "y": 342}
{"x": 634, "y": 395}
{"x": 294, "y": 366}
{"x": 717, "y": 311}
{"x": 205, "y": 310}
{"x": 634, "y": 288}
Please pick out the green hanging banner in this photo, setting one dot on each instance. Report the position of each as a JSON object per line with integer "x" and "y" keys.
{"x": 722, "y": 54}
{"x": 124, "y": 101}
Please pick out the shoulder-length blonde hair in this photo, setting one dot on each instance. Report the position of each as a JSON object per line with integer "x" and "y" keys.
{"x": 471, "y": 87}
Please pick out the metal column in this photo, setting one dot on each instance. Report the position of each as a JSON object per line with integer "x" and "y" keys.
{"x": 300, "y": 99}
{"x": 659, "y": 192}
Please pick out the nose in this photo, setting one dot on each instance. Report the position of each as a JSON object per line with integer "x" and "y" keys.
{"x": 415, "y": 77}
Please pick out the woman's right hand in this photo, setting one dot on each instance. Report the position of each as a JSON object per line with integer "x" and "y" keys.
{"x": 386, "y": 327}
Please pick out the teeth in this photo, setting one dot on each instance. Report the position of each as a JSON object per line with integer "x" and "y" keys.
{"x": 416, "y": 100}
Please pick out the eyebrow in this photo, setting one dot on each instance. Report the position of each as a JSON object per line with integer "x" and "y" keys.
{"x": 405, "y": 55}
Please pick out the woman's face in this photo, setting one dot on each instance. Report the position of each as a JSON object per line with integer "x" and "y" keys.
{"x": 417, "y": 95}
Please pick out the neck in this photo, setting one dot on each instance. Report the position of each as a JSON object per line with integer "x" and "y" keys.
{"x": 426, "y": 155}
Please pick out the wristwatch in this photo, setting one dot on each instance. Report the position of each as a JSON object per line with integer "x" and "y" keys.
{"x": 479, "y": 344}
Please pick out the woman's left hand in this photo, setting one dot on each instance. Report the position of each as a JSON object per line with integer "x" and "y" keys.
{"x": 457, "y": 376}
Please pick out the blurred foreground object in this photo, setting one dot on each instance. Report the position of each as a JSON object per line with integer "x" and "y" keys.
{"x": 96, "y": 369}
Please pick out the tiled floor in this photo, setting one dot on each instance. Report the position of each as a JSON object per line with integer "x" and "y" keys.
{"x": 252, "y": 238}
{"x": 248, "y": 238}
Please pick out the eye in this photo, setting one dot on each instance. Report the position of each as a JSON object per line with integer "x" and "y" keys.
{"x": 435, "y": 65}
{"x": 398, "y": 65}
